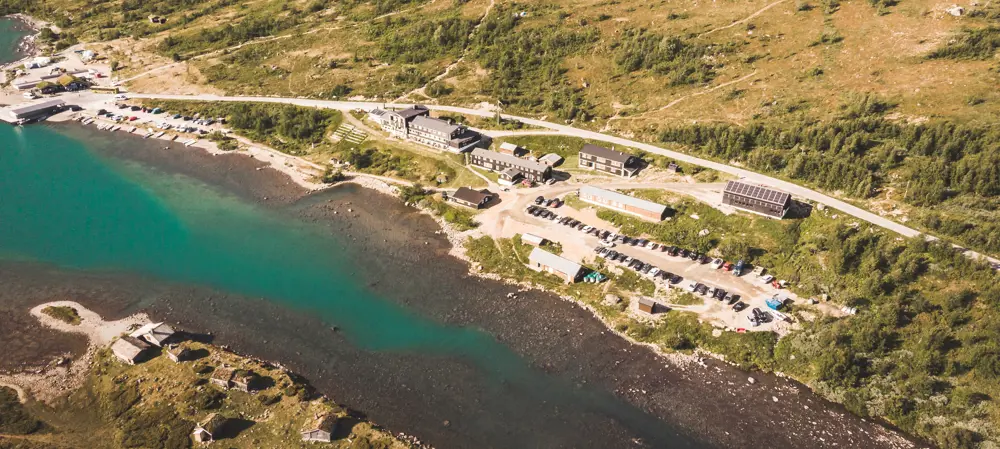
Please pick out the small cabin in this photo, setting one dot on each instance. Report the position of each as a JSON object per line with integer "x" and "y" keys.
{"x": 209, "y": 428}
{"x": 130, "y": 350}
{"x": 177, "y": 353}
{"x": 320, "y": 428}
{"x": 647, "y": 305}
{"x": 222, "y": 377}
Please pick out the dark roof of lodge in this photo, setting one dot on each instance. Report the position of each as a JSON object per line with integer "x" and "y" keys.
{"x": 414, "y": 111}
{"x": 470, "y": 195}
{"x": 606, "y": 153}
{"x": 435, "y": 124}
{"x": 766, "y": 194}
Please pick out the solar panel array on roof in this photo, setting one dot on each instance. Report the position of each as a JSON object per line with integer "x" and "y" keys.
{"x": 757, "y": 192}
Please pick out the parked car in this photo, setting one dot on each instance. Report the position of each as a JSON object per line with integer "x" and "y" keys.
{"x": 738, "y": 269}
{"x": 727, "y": 266}
{"x": 643, "y": 242}
{"x": 633, "y": 242}
{"x": 717, "y": 263}
{"x": 684, "y": 252}
{"x": 539, "y": 200}
{"x": 655, "y": 271}
{"x": 703, "y": 289}
{"x": 753, "y": 320}
{"x": 767, "y": 278}
{"x": 739, "y": 306}
{"x": 692, "y": 287}
{"x": 720, "y": 294}
{"x": 676, "y": 279}
{"x": 647, "y": 268}
{"x": 663, "y": 248}
{"x": 654, "y": 246}
{"x": 672, "y": 250}
{"x": 704, "y": 259}
{"x": 694, "y": 256}
{"x": 732, "y": 299}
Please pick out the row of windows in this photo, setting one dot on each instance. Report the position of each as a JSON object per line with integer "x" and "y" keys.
{"x": 484, "y": 162}
{"x": 430, "y": 131}
{"x": 600, "y": 160}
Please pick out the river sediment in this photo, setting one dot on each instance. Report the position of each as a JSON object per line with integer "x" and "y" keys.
{"x": 580, "y": 373}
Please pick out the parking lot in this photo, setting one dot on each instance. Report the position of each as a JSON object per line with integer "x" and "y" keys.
{"x": 729, "y": 299}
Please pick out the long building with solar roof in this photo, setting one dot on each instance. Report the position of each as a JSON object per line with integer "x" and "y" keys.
{"x": 755, "y": 198}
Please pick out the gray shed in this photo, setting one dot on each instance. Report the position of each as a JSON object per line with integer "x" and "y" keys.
{"x": 130, "y": 349}
{"x": 320, "y": 428}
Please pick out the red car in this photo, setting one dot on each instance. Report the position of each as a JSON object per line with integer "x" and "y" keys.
{"x": 727, "y": 266}
{"x": 133, "y": 118}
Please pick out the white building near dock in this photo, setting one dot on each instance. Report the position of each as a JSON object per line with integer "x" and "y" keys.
{"x": 31, "y": 111}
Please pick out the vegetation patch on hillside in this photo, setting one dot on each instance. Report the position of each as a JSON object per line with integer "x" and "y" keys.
{"x": 681, "y": 61}
{"x": 281, "y": 126}
{"x": 981, "y": 43}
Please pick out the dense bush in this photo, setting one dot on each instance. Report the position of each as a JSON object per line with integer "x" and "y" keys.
{"x": 408, "y": 41}
{"x": 981, "y": 43}
{"x": 225, "y": 36}
{"x": 525, "y": 64}
{"x": 14, "y": 419}
{"x": 282, "y": 126}
{"x": 683, "y": 62}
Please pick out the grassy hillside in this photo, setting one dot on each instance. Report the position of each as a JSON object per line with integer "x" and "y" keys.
{"x": 158, "y": 403}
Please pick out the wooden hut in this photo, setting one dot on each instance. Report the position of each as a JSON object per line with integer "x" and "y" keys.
{"x": 209, "y": 428}
{"x": 320, "y": 428}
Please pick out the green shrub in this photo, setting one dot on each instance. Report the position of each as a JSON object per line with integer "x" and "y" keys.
{"x": 65, "y": 314}
{"x": 14, "y": 419}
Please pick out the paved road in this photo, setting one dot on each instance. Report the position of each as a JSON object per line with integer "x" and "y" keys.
{"x": 794, "y": 189}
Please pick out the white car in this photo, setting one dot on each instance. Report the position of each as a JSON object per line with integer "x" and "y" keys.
{"x": 654, "y": 272}
{"x": 767, "y": 278}
{"x": 692, "y": 286}
{"x": 717, "y": 263}
{"x": 121, "y": 97}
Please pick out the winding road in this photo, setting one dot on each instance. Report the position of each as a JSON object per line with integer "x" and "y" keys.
{"x": 794, "y": 189}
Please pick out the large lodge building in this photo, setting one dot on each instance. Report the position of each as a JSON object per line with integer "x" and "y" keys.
{"x": 416, "y": 124}
{"x": 609, "y": 161}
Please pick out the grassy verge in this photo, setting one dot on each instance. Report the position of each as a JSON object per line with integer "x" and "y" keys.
{"x": 65, "y": 314}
